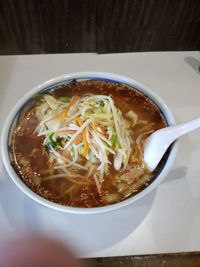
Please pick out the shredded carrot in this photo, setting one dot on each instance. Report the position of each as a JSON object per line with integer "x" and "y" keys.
{"x": 103, "y": 131}
{"x": 78, "y": 139}
{"x": 79, "y": 121}
{"x": 86, "y": 145}
{"x": 64, "y": 113}
{"x": 67, "y": 131}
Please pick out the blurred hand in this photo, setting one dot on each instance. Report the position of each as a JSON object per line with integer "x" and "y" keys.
{"x": 36, "y": 251}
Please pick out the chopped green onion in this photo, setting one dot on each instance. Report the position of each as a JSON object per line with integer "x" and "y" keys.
{"x": 113, "y": 140}
{"x": 64, "y": 99}
{"x": 52, "y": 142}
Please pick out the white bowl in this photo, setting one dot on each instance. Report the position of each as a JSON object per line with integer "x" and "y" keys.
{"x": 15, "y": 112}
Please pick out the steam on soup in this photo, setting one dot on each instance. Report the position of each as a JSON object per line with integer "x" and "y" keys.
{"x": 81, "y": 144}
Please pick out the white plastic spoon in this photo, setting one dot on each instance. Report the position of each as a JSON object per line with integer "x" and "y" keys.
{"x": 157, "y": 143}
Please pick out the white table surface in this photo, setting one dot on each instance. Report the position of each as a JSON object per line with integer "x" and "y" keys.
{"x": 166, "y": 220}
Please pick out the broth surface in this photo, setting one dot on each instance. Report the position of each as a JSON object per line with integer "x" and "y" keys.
{"x": 33, "y": 163}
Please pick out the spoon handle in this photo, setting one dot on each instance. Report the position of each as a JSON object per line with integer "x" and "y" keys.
{"x": 174, "y": 132}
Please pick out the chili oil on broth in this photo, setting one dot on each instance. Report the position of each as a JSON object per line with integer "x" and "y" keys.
{"x": 32, "y": 162}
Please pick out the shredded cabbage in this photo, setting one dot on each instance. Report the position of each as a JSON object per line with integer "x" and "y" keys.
{"x": 90, "y": 127}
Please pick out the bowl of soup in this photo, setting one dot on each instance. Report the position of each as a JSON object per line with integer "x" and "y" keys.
{"x": 75, "y": 143}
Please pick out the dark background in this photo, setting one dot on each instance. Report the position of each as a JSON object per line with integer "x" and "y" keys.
{"x": 102, "y": 26}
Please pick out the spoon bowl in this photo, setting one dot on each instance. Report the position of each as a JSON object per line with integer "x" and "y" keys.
{"x": 158, "y": 142}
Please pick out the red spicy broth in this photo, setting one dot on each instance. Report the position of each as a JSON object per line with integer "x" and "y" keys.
{"x": 74, "y": 186}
